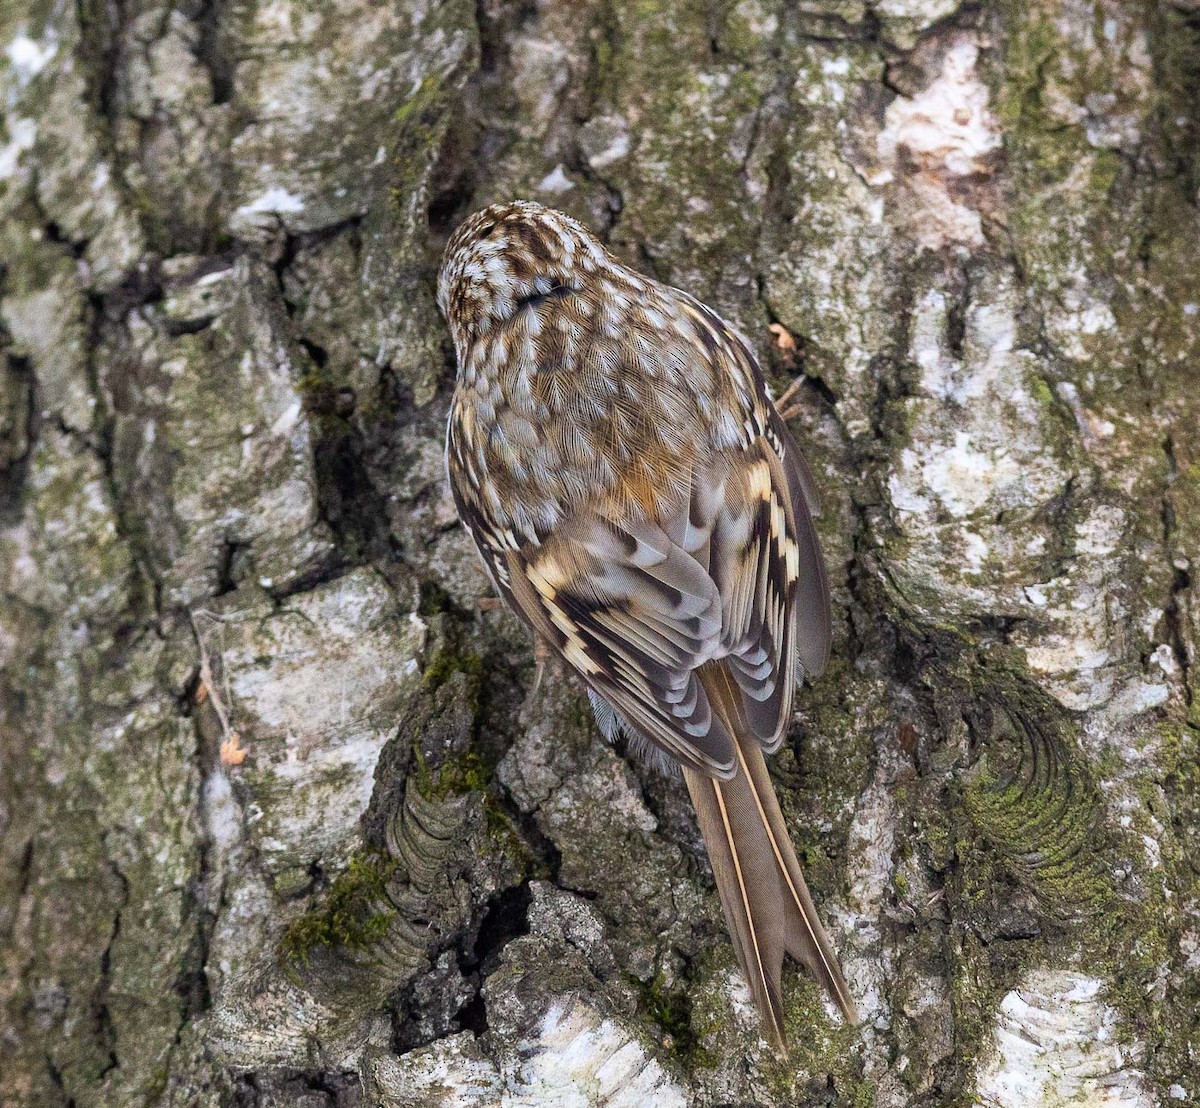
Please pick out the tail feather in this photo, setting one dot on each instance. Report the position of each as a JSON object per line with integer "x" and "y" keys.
{"x": 766, "y": 902}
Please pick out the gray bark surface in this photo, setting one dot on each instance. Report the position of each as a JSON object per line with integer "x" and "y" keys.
{"x": 283, "y": 820}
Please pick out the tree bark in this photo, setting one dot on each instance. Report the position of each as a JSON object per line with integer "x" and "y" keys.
{"x": 284, "y": 818}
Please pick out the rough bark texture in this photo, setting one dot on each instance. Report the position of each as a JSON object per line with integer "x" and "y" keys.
{"x": 282, "y": 823}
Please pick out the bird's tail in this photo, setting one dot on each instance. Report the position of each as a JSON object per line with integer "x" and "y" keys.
{"x": 767, "y": 905}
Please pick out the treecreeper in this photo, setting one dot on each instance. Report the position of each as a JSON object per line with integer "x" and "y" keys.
{"x": 638, "y": 500}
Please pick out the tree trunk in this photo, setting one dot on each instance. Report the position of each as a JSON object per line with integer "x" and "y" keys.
{"x": 285, "y": 820}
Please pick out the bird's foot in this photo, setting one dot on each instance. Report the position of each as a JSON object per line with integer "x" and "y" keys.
{"x": 783, "y": 404}
{"x": 542, "y": 653}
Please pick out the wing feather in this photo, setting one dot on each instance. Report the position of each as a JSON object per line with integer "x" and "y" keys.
{"x": 730, "y": 572}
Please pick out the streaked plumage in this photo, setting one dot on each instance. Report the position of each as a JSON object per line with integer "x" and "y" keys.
{"x": 638, "y": 500}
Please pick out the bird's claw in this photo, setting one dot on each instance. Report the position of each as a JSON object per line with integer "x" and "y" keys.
{"x": 783, "y": 407}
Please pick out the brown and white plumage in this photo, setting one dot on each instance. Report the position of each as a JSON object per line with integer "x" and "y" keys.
{"x": 637, "y": 499}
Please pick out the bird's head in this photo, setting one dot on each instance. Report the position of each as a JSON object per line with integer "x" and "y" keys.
{"x": 505, "y": 257}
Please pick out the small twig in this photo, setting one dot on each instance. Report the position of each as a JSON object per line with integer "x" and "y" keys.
{"x": 232, "y": 753}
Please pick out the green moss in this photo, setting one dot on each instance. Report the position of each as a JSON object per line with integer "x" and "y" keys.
{"x": 1035, "y": 803}
{"x": 978, "y": 982}
{"x": 817, "y": 1045}
{"x": 826, "y": 767}
{"x": 1026, "y": 812}
{"x": 293, "y": 882}
{"x": 670, "y": 1010}
{"x": 434, "y": 600}
{"x": 448, "y": 661}
{"x": 1029, "y": 45}
{"x": 1040, "y": 390}
{"x": 421, "y": 123}
{"x": 469, "y": 773}
{"x": 504, "y": 835}
{"x": 465, "y": 773}
{"x": 1147, "y": 931}
{"x": 350, "y": 914}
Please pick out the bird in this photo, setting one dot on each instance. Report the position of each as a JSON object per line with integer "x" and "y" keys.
{"x": 637, "y": 499}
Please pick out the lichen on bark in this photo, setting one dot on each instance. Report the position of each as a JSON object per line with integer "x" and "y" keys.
{"x": 284, "y": 818}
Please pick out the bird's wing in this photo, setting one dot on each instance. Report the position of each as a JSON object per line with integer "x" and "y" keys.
{"x": 731, "y": 576}
{"x": 630, "y": 607}
{"x": 792, "y": 489}
{"x": 814, "y": 624}
{"x": 755, "y": 560}
{"x": 638, "y": 607}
